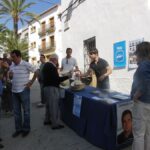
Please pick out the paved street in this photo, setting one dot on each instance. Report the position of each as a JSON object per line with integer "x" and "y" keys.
{"x": 42, "y": 137}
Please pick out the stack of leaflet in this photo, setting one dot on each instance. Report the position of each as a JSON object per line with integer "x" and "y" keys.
{"x": 106, "y": 100}
{"x": 103, "y": 96}
{"x": 99, "y": 93}
{"x": 120, "y": 96}
{"x": 96, "y": 92}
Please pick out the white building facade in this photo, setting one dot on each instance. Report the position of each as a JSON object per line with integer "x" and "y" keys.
{"x": 110, "y": 26}
{"x": 44, "y": 35}
{"x": 24, "y": 33}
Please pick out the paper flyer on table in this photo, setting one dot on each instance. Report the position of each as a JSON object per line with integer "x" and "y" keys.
{"x": 77, "y": 101}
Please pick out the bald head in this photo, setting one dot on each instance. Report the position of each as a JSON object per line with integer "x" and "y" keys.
{"x": 54, "y": 58}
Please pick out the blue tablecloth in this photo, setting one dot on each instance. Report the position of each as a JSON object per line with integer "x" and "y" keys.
{"x": 97, "y": 122}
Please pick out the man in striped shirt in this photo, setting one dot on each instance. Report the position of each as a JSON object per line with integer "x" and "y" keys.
{"x": 20, "y": 71}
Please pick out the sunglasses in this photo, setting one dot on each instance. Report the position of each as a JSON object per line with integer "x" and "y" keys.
{"x": 66, "y": 61}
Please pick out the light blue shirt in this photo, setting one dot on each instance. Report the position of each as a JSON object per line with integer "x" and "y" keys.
{"x": 141, "y": 81}
{"x": 68, "y": 64}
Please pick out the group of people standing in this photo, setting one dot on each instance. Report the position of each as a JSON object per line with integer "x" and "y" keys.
{"x": 50, "y": 79}
{"x": 18, "y": 73}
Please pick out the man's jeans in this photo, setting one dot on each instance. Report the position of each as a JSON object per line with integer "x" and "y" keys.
{"x": 141, "y": 126}
{"x": 0, "y": 106}
{"x": 22, "y": 99}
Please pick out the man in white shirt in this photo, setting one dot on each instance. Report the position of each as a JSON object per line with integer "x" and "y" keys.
{"x": 19, "y": 72}
{"x": 68, "y": 63}
{"x": 40, "y": 79}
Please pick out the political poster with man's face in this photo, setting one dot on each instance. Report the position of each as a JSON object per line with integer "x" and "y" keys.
{"x": 124, "y": 122}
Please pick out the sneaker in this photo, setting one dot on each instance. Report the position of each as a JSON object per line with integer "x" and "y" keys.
{"x": 40, "y": 105}
{"x": 17, "y": 133}
{"x": 25, "y": 133}
{"x": 58, "y": 127}
{"x": 1, "y": 146}
{"x": 1, "y": 139}
{"x": 9, "y": 113}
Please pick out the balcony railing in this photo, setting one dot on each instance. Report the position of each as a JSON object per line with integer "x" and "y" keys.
{"x": 48, "y": 48}
{"x": 49, "y": 29}
{"x": 42, "y": 32}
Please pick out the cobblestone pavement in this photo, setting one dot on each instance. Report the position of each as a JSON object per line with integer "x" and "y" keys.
{"x": 41, "y": 137}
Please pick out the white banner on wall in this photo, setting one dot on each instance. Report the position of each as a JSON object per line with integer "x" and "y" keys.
{"x": 132, "y": 49}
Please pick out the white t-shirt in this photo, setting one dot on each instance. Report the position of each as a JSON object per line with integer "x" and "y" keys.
{"x": 21, "y": 74}
{"x": 68, "y": 64}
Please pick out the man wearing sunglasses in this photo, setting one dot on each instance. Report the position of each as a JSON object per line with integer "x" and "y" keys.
{"x": 68, "y": 63}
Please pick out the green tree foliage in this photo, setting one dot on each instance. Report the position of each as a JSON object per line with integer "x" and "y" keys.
{"x": 9, "y": 43}
{"x": 2, "y": 28}
{"x": 16, "y": 10}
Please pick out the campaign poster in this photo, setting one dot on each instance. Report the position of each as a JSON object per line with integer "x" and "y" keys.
{"x": 77, "y": 101}
{"x": 132, "y": 63}
{"x": 119, "y": 54}
{"x": 124, "y": 122}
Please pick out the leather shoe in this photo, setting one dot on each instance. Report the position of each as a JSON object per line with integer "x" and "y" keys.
{"x": 25, "y": 133}
{"x": 17, "y": 133}
{"x": 1, "y": 146}
{"x": 40, "y": 105}
{"x": 58, "y": 127}
{"x": 47, "y": 123}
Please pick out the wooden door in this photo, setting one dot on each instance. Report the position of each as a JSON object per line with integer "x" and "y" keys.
{"x": 52, "y": 41}
{"x": 52, "y": 22}
{"x": 43, "y": 44}
{"x": 43, "y": 27}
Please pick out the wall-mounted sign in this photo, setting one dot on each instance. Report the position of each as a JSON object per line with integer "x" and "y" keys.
{"x": 132, "y": 49}
{"x": 77, "y": 102}
{"x": 119, "y": 54}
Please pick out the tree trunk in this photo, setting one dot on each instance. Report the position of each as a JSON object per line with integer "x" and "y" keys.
{"x": 15, "y": 27}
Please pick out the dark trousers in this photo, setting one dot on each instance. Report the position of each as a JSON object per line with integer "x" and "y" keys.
{"x": 22, "y": 101}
